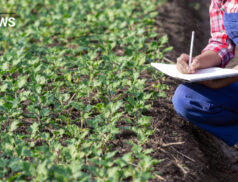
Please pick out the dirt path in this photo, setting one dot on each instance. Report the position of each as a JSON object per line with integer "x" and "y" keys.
{"x": 189, "y": 154}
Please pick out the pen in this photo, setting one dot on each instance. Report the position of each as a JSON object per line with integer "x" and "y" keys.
{"x": 191, "y": 50}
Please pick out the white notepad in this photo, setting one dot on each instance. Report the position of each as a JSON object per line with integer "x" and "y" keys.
{"x": 199, "y": 75}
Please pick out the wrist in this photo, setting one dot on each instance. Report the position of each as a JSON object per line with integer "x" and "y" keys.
{"x": 208, "y": 59}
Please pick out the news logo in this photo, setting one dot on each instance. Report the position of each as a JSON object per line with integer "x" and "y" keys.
{"x": 7, "y": 20}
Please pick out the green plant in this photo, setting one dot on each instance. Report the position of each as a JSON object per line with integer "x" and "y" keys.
{"x": 70, "y": 71}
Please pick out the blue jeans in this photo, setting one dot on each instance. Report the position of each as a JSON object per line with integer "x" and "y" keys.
{"x": 215, "y": 110}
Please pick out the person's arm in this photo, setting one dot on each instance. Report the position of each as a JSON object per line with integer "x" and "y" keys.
{"x": 205, "y": 60}
{"x": 219, "y": 83}
{"x": 220, "y": 49}
{"x": 219, "y": 41}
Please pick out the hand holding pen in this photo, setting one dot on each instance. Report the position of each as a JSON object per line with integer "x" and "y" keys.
{"x": 186, "y": 63}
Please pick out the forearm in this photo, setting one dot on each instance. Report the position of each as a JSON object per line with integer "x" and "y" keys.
{"x": 219, "y": 83}
{"x": 205, "y": 60}
{"x": 222, "y": 82}
{"x": 208, "y": 59}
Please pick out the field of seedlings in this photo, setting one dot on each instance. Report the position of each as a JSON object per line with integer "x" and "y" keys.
{"x": 70, "y": 83}
{"x": 79, "y": 100}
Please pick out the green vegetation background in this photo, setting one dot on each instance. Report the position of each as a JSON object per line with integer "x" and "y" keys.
{"x": 70, "y": 73}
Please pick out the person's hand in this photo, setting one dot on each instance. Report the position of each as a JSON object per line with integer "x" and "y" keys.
{"x": 183, "y": 64}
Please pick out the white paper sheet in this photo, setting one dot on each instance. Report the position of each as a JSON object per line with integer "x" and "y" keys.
{"x": 199, "y": 75}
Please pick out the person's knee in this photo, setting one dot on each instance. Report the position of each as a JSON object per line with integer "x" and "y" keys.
{"x": 180, "y": 100}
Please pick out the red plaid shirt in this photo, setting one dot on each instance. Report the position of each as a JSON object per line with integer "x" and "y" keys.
{"x": 220, "y": 42}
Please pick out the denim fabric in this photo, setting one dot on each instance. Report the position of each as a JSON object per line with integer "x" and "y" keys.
{"x": 215, "y": 110}
{"x": 230, "y": 21}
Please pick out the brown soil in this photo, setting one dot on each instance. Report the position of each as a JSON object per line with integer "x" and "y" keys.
{"x": 179, "y": 18}
{"x": 187, "y": 153}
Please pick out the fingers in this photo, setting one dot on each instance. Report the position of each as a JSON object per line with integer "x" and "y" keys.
{"x": 195, "y": 64}
{"x": 184, "y": 57}
{"x": 182, "y": 64}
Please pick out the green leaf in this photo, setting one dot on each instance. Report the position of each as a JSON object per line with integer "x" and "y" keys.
{"x": 3, "y": 87}
{"x": 14, "y": 125}
{"x": 164, "y": 39}
{"x": 144, "y": 121}
{"x": 34, "y": 128}
{"x": 22, "y": 81}
{"x": 5, "y": 66}
{"x": 40, "y": 79}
